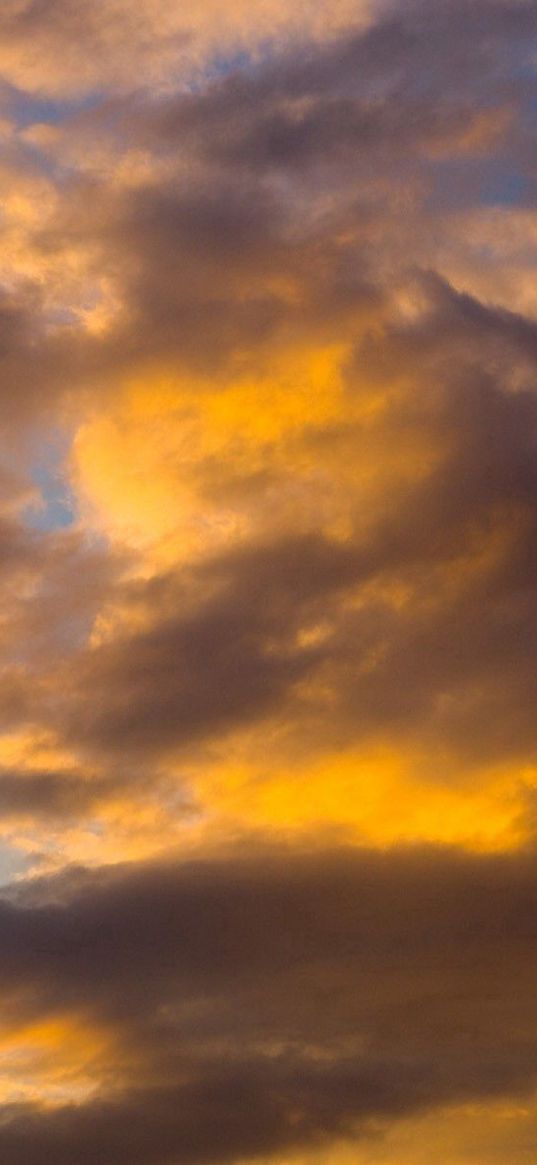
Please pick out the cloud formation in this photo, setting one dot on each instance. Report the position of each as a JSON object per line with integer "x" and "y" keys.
{"x": 263, "y": 1006}
{"x": 268, "y": 487}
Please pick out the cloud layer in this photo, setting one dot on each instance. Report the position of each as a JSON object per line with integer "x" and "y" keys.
{"x": 268, "y": 489}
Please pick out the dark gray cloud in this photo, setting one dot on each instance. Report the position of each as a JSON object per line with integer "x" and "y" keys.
{"x": 275, "y": 1001}
{"x": 52, "y": 584}
{"x": 395, "y": 101}
{"x": 203, "y": 667}
{"x": 315, "y": 171}
{"x": 35, "y": 795}
{"x": 199, "y": 257}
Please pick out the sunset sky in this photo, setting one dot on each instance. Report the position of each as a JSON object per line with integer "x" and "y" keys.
{"x": 268, "y": 582}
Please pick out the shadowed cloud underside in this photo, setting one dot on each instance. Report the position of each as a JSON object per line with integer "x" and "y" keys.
{"x": 268, "y": 582}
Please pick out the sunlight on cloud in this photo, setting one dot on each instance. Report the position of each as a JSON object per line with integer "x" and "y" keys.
{"x": 51, "y": 1062}
{"x": 381, "y": 797}
{"x": 45, "y": 48}
{"x": 175, "y": 472}
{"x": 470, "y": 1134}
{"x": 268, "y": 747}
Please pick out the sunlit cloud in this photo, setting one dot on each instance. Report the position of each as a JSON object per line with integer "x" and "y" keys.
{"x": 268, "y": 750}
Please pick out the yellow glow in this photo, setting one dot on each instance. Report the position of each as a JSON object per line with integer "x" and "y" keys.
{"x": 462, "y": 1134}
{"x": 177, "y": 469}
{"x": 51, "y": 1062}
{"x": 156, "y": 472}
{"x": 33, "y": 750}
{"x": 378, "y": 799}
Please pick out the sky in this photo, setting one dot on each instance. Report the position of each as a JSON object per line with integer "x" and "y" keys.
{"x": 268, "y": 582}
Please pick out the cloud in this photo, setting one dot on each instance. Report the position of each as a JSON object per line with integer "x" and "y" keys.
{"x": 268, "y": 321}
{"x": 268, "y": 1005}
{"x": 221, "y": 644}
{"x": 43, "y": 54}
